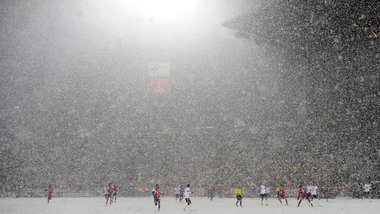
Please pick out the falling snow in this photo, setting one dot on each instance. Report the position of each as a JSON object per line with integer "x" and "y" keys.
{"x": 224, "y": 93}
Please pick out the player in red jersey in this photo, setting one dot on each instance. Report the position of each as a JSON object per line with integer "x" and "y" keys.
{"x": 49, "y": 191}
{"x": 303, "y": 194}
{"x": 156, "y": 196}
{"x": 115, "y": 192}
{"x": 181, "y": 193}
{"x": 211, "y": 193}
{"x": 110, "y": 191}
{"x": 281, "y": 194}
{"x": 324, "y": 193}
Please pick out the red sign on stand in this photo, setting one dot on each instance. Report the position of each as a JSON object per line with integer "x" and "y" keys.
{"x": 159, "y": 85}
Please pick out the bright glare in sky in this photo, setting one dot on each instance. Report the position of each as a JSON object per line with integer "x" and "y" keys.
{"x": 164, "y": 9}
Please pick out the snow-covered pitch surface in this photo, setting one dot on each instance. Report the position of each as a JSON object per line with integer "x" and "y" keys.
{"x": 171, "y": 206}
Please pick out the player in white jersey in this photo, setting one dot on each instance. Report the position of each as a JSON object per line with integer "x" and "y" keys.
{"x": 367, "y": 189}
{"x": 110, "y": 193}
{"x": 263, "y": 193}
{"x": 177, "y": 191}
{"x": 187, "y": 194}
{"x": 308, "y": 194}
{"x": 314, "y": 194}
{"x": 313, "y": 191}
{"x": 308, "y": 190}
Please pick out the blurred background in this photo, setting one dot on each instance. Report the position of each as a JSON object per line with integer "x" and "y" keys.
{"x": 220, "y": 93}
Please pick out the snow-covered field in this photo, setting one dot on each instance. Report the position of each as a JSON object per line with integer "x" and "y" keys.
{"x": 170, "y": 206}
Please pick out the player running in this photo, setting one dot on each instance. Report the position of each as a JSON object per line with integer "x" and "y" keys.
{"x": 263, "y": 194}
{"x": 239, "y": 197}
{"x": 181, "y": 193}
{"x": 303, "y": 194}
{"x": 115, "y": 192}
{"x": 177, "y": 191}
{"x": 187, "y": 193}
{"x": 109, "y": 193}
{"x": 324, "y": 193}
{"x": 281, "y": 194}
{"x": 211, "y": 193}
{"x": 156, "y": 196}
{"x": 49, "y": 192}
{"x": 367, "y": 189}
{"x": 313, "y": 191}
{"x": 308, "y": 192}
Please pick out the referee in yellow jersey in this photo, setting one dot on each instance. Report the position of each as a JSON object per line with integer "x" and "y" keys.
{"x": 238, "y": 195}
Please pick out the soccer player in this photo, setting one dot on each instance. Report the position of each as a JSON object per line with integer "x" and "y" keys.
{"x": 187, "y": 192}
{"x": 308, "y": 192}
{"x": 263, "y": 193}
{"x": 303, "y": 194}
{"x": 49, "y": 192}
{"x": 313, "y": 190}
{"x": 115, "y": 192}
{"x": 239, "y": 197}
{"x": 367, "y": 189}
{"x": 156, "y": 196}
{"x": 324, "y": 193}
{"x": 211, "y": 193}
{"x": 181, "y": 193}
{"x": 109, "y": 193}
{"x": 177, "y": 191}
{"x": 281, "y": 194}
